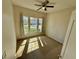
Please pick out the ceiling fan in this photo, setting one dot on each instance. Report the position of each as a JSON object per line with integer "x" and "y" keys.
{"x": 44, "y": 4}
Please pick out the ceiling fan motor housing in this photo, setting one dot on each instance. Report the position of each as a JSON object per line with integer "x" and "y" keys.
{"x": 45, "y": 9}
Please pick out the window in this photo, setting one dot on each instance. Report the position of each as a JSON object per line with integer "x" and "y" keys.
{"x": 31, "y": 24}
{"x": 25, "y": 24}
{"x": 40, "y": 25}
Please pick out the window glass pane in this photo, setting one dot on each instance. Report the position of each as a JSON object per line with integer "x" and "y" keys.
{"x": 33, "y": 24}
{"x": 25, "y": 24}
{"x": 40, "y": 24}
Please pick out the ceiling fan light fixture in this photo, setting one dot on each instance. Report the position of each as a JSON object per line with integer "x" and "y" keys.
{"x": 43, "y": 8}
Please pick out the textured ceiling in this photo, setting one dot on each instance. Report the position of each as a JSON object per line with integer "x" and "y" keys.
{"x": 59, "y": 5}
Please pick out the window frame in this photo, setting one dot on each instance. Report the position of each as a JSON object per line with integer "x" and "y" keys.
{"x": 29, "y": 20}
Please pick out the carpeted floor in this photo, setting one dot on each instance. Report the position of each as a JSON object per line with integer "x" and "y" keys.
{"x": 40, "y": 47}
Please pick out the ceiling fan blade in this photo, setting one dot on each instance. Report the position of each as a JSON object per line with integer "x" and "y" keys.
{"x": 37, "y": 5}
{"x": 50, "y": 6}
{"x": 39, "y": 8}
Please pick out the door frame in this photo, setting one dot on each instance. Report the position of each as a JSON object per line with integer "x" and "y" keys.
{"x": 71, "y": 22}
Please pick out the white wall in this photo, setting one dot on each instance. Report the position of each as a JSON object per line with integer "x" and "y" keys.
{"x": 56, "y": 24}
{"x": 8, "y": 32}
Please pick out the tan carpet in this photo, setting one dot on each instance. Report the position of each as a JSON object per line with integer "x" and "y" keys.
{"x": 40, "y": 47}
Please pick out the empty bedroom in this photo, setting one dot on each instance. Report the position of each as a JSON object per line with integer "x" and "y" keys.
{"x": 39, "y": 29}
